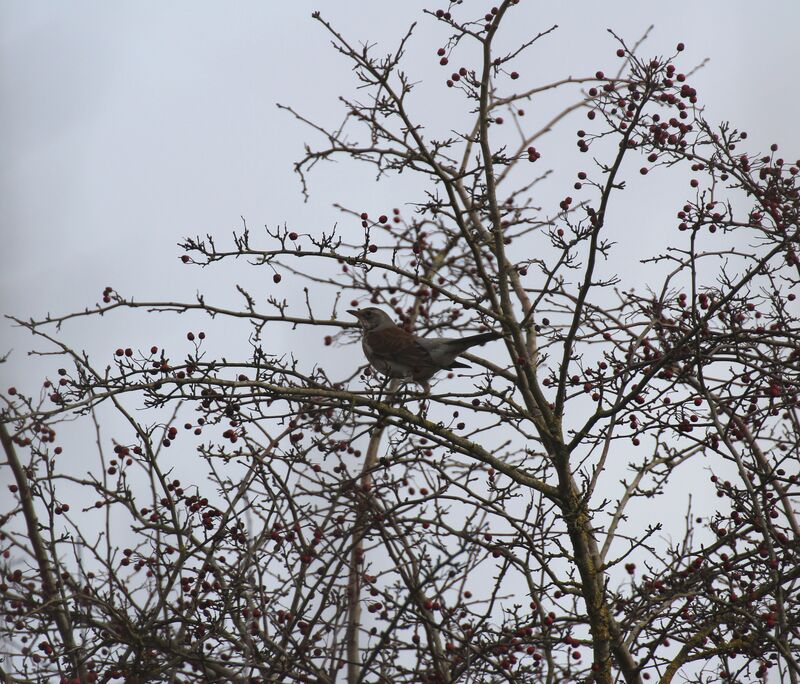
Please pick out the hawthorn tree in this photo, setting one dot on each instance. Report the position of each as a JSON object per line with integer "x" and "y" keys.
{"x": 509, "y": 526}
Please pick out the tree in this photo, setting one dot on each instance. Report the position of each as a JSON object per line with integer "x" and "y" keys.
{"x": 338, "y": 527}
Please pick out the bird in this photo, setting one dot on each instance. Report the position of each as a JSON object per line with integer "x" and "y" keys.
{"x": 396, "y": 353}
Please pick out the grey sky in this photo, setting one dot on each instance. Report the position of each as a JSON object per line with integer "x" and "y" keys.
{"x": 125, "y": 126}
{"x": 128, "y": 125}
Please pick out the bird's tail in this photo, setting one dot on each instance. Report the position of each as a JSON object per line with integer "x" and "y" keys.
{"x": 481, "y": 338}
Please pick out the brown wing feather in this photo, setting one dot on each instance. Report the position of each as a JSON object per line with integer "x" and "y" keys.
{"x": 401, "y": 347}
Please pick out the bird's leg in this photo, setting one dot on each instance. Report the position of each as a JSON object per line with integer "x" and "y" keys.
{"x": 424, "y": 397}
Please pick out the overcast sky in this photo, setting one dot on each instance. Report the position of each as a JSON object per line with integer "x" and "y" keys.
{"x": 126, "y": 126}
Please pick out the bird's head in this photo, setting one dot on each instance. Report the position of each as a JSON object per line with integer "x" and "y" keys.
{"x": 371, "y": 318}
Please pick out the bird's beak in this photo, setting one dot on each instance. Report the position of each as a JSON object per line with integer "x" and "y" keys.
{"x": 354, "y": 312}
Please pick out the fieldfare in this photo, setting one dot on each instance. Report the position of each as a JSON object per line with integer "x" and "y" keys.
{"x": 398, "y": 354}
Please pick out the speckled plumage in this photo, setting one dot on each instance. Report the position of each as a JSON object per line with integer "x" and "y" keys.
{"x": 396, "y": 353}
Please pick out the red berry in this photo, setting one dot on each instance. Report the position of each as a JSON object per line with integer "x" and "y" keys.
{"x": 276, "y": 278}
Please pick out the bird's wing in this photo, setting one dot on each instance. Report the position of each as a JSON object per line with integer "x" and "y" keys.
{"x": 397, "y": 346}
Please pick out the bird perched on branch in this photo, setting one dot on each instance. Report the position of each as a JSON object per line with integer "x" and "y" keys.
{"x": 398, "y": 354}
